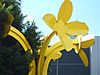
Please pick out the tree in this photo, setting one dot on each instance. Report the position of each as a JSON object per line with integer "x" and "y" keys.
{"x": 14, "y": 61}
{"x": 18, "y": 18}
{"x": 33, "y": 37}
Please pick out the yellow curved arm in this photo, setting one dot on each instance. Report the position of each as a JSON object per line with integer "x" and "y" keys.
{"x": 52, "y": 48}
{"x": 20, "y": 38}
{"x": 42, "y": 52}
{"x": 49, "y": 57}
{"x": 23, "y": 41}
{"x": 60, "y": 47}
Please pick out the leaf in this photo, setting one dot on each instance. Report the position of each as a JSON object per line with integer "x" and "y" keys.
{"x": 9, "y": 8}
{"x": 65, "y": 11}
{"x": 76, "y": 28}
{"x": 50, "y": 20}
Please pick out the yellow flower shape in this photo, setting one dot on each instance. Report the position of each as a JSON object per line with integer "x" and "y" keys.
{"x": 79, "y": 44}
{"x": 83, "y": 42}
{"x": 63, "y": 28}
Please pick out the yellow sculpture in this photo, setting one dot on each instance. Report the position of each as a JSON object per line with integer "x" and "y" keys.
{"x": 23, "y": 41}
{"x": 63, "y": 29}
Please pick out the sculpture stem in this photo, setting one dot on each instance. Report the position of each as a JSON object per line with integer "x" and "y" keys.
{"x": 42, "y": 52}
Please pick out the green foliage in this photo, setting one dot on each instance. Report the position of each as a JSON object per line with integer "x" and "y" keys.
{"x": 33, "y": 36}
{"x": 13, "y": 7}
{"x": 13, "y": 59}
{"x": 5, "y": 19}
{"x": 4, "y": 9}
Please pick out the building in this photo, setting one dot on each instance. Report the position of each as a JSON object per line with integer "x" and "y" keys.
{"x": 95, "y": 57}
{"x": 71, "y": 64}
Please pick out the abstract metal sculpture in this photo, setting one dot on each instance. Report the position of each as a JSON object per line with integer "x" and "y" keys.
{"x": 63, "y": 29}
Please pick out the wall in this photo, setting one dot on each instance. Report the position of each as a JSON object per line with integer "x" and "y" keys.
{"x": 95, "y": 57}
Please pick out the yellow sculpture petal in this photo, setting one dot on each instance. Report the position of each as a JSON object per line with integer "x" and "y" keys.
{"x": 60, "y": 27}
{"x": 76, "y": 28}
{"x": 84, "y": 58}
{"x": 86, "y": 41}
{"x": 65, "y": 11}
{"x": 67, "y": 42}
{"x": 50, "y": 20}
{"x": 76, "y": 47}
{"x": 87, "y": 44}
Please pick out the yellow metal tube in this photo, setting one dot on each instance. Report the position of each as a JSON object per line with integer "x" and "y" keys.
{"x": 54, "y": 53}
{"x": 42, "y": 52}
{"x": 23, "y": 41}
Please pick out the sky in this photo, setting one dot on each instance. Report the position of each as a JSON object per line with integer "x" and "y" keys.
{"x": 87, "y": 11}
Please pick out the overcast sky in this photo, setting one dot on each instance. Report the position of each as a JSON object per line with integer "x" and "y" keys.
{"x": 87, "y": 11}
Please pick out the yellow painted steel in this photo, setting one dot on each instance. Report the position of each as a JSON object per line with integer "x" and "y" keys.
{"x": 62, "y": 27}
{"x": 75, "y": 46}
{"x": 32, "y": 68}
{"x": 87, "y": 44}
{"x": 61, "y": 31}
{"x": 53, "y": 47}
{"x": 47, "y": 61}
{"x": 23, "y": 41}
{"x": 83, "y": 57}
{"x": 50, "y": 20}
{"x": 78, "y": 49}
{"x": 77, "y": 28}
{"x": 20, "y": 38}
{"x": 65, "y": 11}
{"x": 84, "y": 44}
{"x": 52, "y": 53}
{"x": 42, "y": 52}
